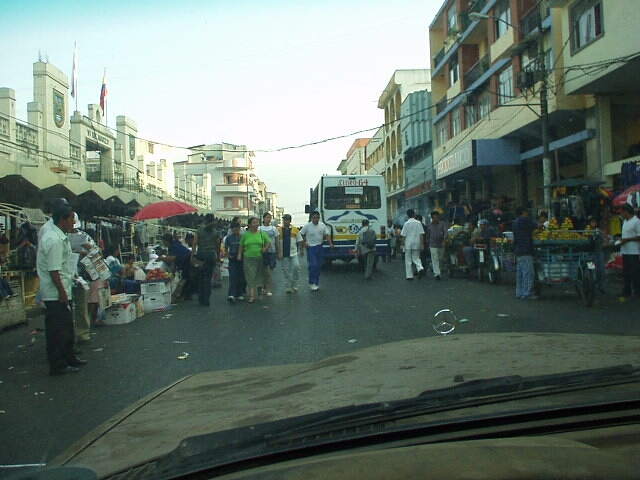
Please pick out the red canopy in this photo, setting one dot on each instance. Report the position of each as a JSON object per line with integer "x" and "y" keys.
{"x": 622, "y": 198}
{"x": 169, "y": 208}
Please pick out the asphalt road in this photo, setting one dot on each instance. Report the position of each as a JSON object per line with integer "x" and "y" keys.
{"x": 42, "y": 415}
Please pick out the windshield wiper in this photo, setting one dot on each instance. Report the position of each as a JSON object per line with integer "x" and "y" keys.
{"x": 241, "y": 444}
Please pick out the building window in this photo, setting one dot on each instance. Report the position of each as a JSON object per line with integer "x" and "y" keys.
{"x": 588, "y": 26}
{"x": 484, "y": 107}
{"x": 442, "y": 132}
{"x": 469, "y": 115}
{"x": 454, "y": 70}
{"x": 228, "y": 203}
{"x": 452, "y": 21}
{"x": 456, "y": 126}
{"x": 150, "y": 147}
{"x": 505, "y": 85}
{"x": 502, "y": 17}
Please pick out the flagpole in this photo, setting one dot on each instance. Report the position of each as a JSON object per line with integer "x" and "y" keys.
{"x": 74, "y": 75}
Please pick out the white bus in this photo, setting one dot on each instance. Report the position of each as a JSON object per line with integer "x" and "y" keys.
{"x": 343, "y": 202}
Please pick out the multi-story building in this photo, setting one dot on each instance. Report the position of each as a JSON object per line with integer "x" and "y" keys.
{"x": 103, "y": 171}
{"x": 496, "y": 65}
{"x": 415, "y": 126}
{"x": 401, "y": 84}
{"x": 235, "y": 189}
{"x": 601, "y": 60}
{"x": 354, "y": 163}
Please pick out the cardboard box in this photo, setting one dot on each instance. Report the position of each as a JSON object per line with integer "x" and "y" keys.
{"x": 157, "y": 264}
{"x": 156, "y": 301}
{"x": 149, "y": 288}
{"x": 12, "y": 311}
{"x": 104, "y": 298}
{"x": 121, "y": 313}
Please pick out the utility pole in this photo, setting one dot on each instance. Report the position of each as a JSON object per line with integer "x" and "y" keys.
{"x": 544, "y": 114}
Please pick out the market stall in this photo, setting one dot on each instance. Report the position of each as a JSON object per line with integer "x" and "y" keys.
{"x": 564, "y": 255}
{"x": 18, "y": 243}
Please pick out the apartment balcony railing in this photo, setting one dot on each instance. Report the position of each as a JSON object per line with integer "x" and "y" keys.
{"x": 476, "y": 71}
{"x": 441, "y": 105}
{"x": 232, "y": 188}
{"x": 529, "y": 21}
{"x": 438, "y": 58}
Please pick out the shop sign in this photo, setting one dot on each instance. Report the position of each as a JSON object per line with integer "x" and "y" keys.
{"x": 97, "y": 137}
{"x": 458, "y": 159}
{"x": 418, "y": 190}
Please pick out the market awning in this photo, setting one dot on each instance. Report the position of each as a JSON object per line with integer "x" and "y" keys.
{"x": 574, "y": 182}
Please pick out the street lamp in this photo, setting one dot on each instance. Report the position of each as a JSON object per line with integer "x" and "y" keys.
{"x": 544, "y": 108}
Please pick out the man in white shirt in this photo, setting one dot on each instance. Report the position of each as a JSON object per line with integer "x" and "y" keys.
{"x": 315, "y": 232}
{"x": 56, "y": 281}
{"x": 413, "y": 243}
{"x": 630, "y": 250}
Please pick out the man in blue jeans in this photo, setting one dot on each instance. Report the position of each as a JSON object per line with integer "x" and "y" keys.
{"x": 315, "y": 232}
{"x": 523, "y": 228}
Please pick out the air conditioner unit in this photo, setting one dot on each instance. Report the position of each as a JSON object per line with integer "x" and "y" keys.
{"x": 525, "y": 79}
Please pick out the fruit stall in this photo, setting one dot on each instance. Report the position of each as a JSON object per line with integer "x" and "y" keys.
{"x": 564, "y": 255}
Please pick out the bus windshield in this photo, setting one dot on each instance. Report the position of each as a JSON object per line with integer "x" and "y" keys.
{"x": 352, "y": 197}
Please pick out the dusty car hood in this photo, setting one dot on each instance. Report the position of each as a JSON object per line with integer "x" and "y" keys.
{"x": 214, "y": 401}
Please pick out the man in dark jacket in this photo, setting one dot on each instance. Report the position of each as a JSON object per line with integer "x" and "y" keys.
{"x": 206, "y": 247}
{"x": 523, "y": 228}
{"x": 179, "y": 257}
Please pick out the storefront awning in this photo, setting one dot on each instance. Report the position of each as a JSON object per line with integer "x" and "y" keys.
{"x": 479, "y": 153}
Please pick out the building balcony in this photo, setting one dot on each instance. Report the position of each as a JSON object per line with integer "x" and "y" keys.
{"x": 441, "y": 105}
{"x": 240, "y": 188}
{"x": 476, "y": 71}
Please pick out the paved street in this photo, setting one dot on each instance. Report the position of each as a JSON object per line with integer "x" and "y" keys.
{"x": 42, "y": 415}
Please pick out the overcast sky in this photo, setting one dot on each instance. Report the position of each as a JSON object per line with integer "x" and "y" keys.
{"x": 268, "y": 74}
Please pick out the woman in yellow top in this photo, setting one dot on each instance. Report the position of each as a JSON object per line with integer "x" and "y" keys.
{"x": 252, "y": 245}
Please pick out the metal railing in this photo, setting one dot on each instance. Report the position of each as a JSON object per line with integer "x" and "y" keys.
{"x": 476, "y": 71}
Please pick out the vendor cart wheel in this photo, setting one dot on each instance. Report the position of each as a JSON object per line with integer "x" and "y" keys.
{"x": 494, "y": 273}
{"x": 585, "y": 285}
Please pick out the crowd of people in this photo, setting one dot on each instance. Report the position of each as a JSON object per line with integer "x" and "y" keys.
{"x": 253, "y": 252}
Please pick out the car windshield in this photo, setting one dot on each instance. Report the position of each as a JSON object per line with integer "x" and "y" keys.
{"x": 184, "y": 275}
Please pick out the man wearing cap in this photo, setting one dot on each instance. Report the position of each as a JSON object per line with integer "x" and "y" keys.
{"x": 290, "y": 248}
{"x": 56, "y": 280}
{"x": 482, "y": 235}
{"x": 630, "y": 250}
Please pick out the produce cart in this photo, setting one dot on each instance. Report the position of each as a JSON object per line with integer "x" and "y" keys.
{"x": 502, "y": 259}
{"x": 566, "y": 258}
